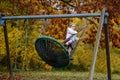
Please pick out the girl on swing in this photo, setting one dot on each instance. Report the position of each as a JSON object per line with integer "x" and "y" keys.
{"x": 71, "y": 37}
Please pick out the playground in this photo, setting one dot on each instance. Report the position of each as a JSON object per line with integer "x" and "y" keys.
{"x": 60, "y": 42}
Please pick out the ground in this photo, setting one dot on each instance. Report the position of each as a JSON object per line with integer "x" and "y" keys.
{"x": 55, "y": 75}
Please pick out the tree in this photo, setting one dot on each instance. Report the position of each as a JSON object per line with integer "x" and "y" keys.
{"x": 56, "y": 28}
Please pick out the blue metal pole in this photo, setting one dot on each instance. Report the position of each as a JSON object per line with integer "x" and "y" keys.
{"x": 52, "y": 16}
{"x": 3, "y": 23}
{"x": 8, "y": 51}
{"x": 106, "y": 32}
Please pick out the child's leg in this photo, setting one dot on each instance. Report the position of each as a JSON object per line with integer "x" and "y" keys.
{"x": 69, "y": 42}
{"x": 69, "y": 50}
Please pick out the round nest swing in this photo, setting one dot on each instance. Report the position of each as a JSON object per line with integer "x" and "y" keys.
{"x": 52, "y": 51}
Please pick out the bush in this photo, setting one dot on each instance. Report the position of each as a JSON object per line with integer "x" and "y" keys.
{"x": 83, "y": 59}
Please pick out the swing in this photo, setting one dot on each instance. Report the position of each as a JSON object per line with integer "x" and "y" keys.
{"x": 54, "y": 52}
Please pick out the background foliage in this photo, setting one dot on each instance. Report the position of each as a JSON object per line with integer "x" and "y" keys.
{"x": 23, "y": 33}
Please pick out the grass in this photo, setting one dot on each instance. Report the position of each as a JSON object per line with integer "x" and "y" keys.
{"x": 56, "y": 75}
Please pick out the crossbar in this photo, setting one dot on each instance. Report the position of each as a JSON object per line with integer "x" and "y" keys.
{"x": 51, "y": 16}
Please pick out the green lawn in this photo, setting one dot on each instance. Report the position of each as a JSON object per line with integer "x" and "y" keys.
{"x": 55, "y": 75}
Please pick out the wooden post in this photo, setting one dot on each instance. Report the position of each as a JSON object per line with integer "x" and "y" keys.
{"x": 97, "y": 44}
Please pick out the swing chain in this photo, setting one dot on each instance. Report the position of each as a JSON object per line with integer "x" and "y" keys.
{"x": 84, "y": 28}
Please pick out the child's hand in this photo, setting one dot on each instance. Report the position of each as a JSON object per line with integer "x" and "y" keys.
{"x": 76, "y": 38}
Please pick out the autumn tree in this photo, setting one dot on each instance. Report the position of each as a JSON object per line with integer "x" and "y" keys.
{"x": 27, "y": 30}
{"x": 112, "y": 7}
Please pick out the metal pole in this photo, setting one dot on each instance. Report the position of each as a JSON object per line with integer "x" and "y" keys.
{"x": 51, "y": 16}
{"x": 7, "y": 50}
{"x": 106, "y": 32}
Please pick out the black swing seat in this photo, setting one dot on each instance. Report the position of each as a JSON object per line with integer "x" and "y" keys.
{"x": 52, "y": 51}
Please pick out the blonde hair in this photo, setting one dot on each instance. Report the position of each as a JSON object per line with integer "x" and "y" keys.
{"x": 73, "y": 25}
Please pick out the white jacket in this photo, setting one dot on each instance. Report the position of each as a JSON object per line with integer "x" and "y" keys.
{"x": 70, "y": 32}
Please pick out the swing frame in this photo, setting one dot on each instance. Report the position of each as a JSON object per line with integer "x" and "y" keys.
{"x": 4, "y": 18}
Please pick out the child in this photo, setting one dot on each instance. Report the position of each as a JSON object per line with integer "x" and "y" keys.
{"x": 71, "y": 36}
